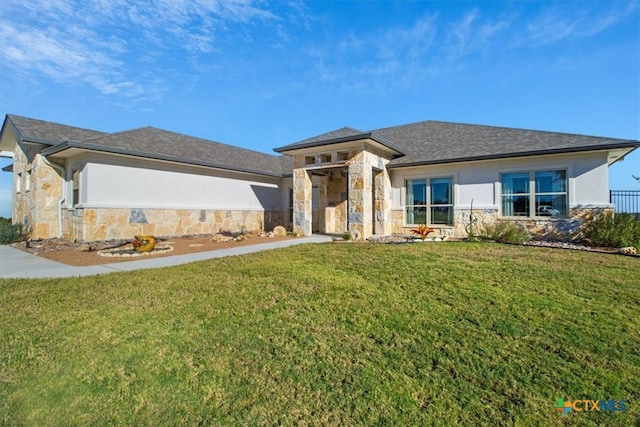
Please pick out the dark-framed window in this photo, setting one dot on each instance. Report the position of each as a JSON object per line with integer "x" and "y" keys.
{"x": 75, "y": 186}
{"x": 429, "y": 201}
{"x": 534, "y": 193}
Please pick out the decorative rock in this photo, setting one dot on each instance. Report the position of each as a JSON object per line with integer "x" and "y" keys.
{"x": 279, "y": 231}
{"x": 356, "y": 236}
{"x": 628, "y": 250}
{"x": 221, "y": 238}
{"x": 271, "y": 234}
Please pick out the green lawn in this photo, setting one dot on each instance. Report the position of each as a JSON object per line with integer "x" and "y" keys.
{"x": 334, "y": 334}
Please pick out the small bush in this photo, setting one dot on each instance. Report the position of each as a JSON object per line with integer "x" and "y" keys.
{"x": 616, "y": 231}
{"x": 12, "y": 233}
{"x": 505, "y": 232}
{"x": 346, "y": 236}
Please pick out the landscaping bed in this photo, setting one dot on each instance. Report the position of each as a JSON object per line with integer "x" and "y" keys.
{"x": 84, "y": 254}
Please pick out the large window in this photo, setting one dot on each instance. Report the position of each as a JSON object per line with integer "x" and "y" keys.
{"x": 429, "y": 201}
{"x": 529, "y": 194}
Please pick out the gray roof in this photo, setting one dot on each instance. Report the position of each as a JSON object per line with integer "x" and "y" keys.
{"x": 344, "y": 134}
{"x": 429, "y": 142}
{"x": 48, "y": 133}
{"x": 153, "y": 143}
{"x": 433, "y": 142}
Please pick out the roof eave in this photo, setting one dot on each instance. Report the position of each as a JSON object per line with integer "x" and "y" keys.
{"x": 56, "y": 149}
{"x": 291, "y": 148}
{"x": 628, "y": 144}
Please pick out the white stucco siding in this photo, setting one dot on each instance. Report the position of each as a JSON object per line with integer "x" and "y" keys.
{"x": 479, "y": 181}
{"x": 128, "y": 186}
{"x": 591, "y": 181}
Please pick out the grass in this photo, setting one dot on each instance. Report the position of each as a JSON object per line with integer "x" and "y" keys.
{"x": 417, "y": 334}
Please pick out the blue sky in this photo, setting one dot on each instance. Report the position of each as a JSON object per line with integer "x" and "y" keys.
{"x": 261, "y": 74}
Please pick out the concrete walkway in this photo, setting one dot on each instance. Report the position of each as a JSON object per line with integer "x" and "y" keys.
{"x": 15, "y": 263}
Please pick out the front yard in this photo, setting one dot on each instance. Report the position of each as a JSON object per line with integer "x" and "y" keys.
{"x": 334, "y": 334}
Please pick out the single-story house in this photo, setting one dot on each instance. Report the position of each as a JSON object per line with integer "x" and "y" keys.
{"x": 89, "y": 185}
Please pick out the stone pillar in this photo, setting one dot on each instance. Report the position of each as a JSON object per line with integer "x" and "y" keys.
{"x": 382, "y": 203}
{"x": 360, "y": 200}
{"x": 302, "y": 199}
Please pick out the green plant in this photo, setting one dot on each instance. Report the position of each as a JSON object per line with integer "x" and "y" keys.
{"x": 505, "y": 232}
{"x": 12, "y": 233}
{"x": 346, "y": 236}
{"x": 607, "y": 229}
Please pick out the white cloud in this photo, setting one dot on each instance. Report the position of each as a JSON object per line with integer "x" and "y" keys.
{"x": 555, "y": 25}
{"x": 110, "y": 44}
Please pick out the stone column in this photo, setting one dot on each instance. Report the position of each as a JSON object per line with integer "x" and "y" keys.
{"x": 382, "y": 203}
{"x": 360, "y": 200}
{"x": 302, "y": 199}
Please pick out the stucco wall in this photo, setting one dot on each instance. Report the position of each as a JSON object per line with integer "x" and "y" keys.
{"x": 588, "y": 188}
{"x": 151, "y": 185}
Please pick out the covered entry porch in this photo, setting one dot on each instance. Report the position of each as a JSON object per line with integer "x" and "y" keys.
{"x": 352, "y": 197}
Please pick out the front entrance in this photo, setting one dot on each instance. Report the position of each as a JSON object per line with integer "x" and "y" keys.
{"x": 343, "y": 196}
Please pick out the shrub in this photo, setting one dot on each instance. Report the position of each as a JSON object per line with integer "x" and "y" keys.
{"x": 12, "y": 233}
{"x": 505, "y": 232}
{"x": 617, "y": 231}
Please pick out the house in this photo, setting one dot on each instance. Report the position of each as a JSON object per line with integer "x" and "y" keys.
{"x": 90, "y": 185}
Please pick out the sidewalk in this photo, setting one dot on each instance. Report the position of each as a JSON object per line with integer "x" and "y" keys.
{"x": 15, "y": 263}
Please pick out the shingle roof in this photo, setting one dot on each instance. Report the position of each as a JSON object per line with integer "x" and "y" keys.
{"x": 432, "y": 142}
{"x": 165, "y": 145}
{"x": 153, "y": 143}
{"x": 340, "y": 135}
{"x": 49, "y": 133}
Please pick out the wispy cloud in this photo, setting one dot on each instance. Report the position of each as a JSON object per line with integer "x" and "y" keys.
{"x": 111, "y": 44}
{"x": 555, "y": 25}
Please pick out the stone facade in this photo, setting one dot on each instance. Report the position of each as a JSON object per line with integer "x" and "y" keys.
{"x": 91, "y": 224}
{"x": 562, "y": 229}
{"x": 354, "y": 192}
{"x": 37, "y": 189}
{"x": 302, "y": 202}
{"x": 462, "y": 219}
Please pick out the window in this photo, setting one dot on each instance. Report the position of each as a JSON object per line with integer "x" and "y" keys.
{"x": 309, "y": 160}
{"x": 429, "y": 201}
{"x": 342, "y": 156}
{"x": 291, "y": 206}
{"x": 27, "y": 181}
{"x": 75, "y": 195}
{"x": 18, "y": 183}
{"x": 529, "y": 194}
{"x": 325, "y": 158}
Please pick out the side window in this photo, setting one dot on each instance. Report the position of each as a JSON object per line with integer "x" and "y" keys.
{"x": 75, "y": 195}
{"x": 534, "y": 194}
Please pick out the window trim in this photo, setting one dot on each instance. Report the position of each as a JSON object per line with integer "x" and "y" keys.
{"x": 533, "y": 193}
{"x": 428, "y": 206}
{"x": 75, "y": 187}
